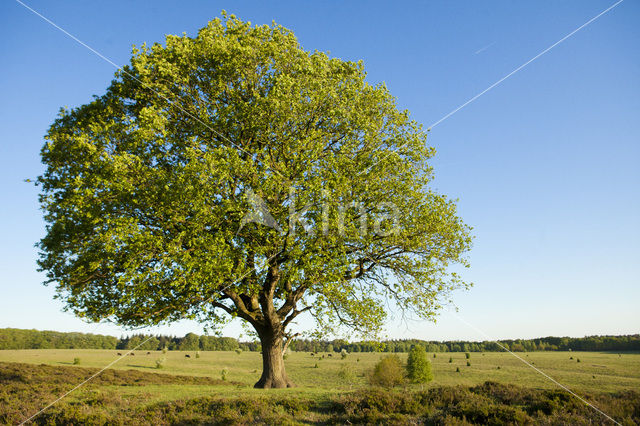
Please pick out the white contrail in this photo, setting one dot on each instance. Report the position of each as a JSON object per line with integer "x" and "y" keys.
{"x": 525, "y": 64}
{"x": 482, "y": 49}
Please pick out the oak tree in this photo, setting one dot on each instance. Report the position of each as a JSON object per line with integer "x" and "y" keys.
{"x": 234, "y": 174}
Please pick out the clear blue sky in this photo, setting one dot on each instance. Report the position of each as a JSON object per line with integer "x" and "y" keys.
{"x": 545, "y": 165}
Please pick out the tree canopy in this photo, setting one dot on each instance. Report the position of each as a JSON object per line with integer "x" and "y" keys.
{"x": 150, "y": 193}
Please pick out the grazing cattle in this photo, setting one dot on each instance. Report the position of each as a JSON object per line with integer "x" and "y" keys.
{"x": 148, "y": 353}
{"x": 187, "y": 356}
{"x": 330, "y": 355}
{"x": 132, "y": 354}
{"x": 119, "y": 354}
{"x": 312, "y": 354}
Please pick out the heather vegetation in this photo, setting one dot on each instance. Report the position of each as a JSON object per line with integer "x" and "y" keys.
{"x": 130, "y": 397}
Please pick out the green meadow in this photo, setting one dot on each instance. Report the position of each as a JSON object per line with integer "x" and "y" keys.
{"x": 602, "y": 372}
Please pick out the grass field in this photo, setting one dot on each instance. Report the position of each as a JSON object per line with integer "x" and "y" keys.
{"x": 601, "y": 372}
{"x": 190, "y": 390}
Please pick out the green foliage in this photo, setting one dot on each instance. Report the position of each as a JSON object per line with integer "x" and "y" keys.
{"x": 344, "y": 354}
{"x": 145, "y": 189}
{"x": 418, "y": 366}
{"x": 467, "y": 355}
{"x": 591, "y": 343}
{"x": 197, "y": 354}
{"x": 346, "y": 374}
{"x": 223, "y": 373}
{"x": 76, "y": 361}
{"x": 14, "y": 338}
{"x": 191, "y": 342}
{"x": 139, "y": 342}
{"x": 238, "y": 351}
{"x": 110, "y": 401}
{"x": 388, "y": 372}
{"x": 215, "y": 343}
{"x": 11, "y": 338}
{"x": 450, "y": 360}
{"x": 468, "y": 364}
{"x": 160, "y": 362}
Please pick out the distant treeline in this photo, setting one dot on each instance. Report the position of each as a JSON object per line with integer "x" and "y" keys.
{"x": 591, "y": 343}
{"x": 13, "y": 338}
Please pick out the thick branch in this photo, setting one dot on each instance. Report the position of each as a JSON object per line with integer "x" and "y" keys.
{"x": 293, "y": 297}
{"x": 242, "y": 311}
{"x": 294, "y": 314}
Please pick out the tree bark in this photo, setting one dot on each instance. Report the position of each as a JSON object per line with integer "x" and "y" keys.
{"x": 273, "y": 372}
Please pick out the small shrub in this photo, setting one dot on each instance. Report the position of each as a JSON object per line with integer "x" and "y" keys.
{"x": 76, "y": 361}
{"x": 498, "y": 367}
{"x": 315, "y": 366}
{"x": 223, "y": 374}
{"x": 418, "y": 366}
{"x": 164, "y": 350}
{"x": 358, "y": 360}
{"x": 388, "y": 372}
{"x": 238, "y": 351}
{"x": 578, "y": 359}
{"x": 160, "y": 363}
{"x": 343, "y": 354}
{"x": 434, "y": 355}
{"x": 570, "y": 357}
{"x": 450, "y": 360}
{"x": 457, "y": 369}
{"x": 197, "y": 354}
{"x": 346, "y": 374}
{"x": 467, "y": 355}
{"x": 468, "y": 364}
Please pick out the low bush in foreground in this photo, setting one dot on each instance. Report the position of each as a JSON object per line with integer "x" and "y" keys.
{"x": 388, "y": 372}
{"x": 24, "y": 389}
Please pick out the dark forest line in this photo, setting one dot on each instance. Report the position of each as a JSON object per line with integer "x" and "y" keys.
{"x": 13, "y": 338}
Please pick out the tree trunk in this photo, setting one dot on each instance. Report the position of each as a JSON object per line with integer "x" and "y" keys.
{"x": 273, "y": 373}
